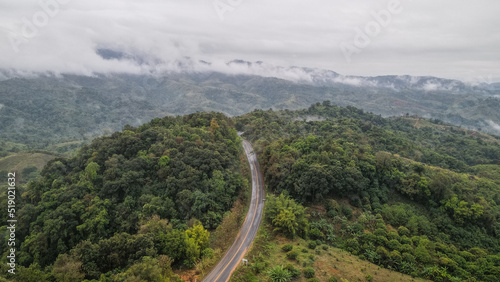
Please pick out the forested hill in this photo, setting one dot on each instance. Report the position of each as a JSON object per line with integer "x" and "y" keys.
{"x": 129, "y": 205}
{"x": 428, "y": 141}
{"x": 410, "y": 194}
{"x": 413, "y": 195}
{"x": 47, "y": 110}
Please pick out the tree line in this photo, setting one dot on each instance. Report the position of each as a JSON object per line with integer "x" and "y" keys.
{"x": 133, "y": 204}
{"x": 420, "y": 198}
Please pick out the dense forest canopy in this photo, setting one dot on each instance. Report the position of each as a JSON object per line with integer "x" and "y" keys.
{"x": 414, "y": 195}
{"x": 418, "y": 196}
{"x": 45, "y": 111}
{"x": 138, "y": 199}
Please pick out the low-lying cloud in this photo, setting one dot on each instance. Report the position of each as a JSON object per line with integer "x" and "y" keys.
{"x": 445, "y": 39}
{"x": 494, "y": 125}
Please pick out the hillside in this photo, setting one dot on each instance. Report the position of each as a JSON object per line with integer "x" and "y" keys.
{"x": 411, "y": 195}
{"x": 46, "y": 110}
{"x": 329, "y": 263}
{"x": 26, "y": 165}
{"x": 135, "y": 205}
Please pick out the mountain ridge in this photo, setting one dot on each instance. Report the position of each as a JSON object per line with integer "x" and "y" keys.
{"x": 62, "y": 108}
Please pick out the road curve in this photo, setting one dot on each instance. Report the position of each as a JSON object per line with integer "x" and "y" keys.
{"x": 244, "y": 239}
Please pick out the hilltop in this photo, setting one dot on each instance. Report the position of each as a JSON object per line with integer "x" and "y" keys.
{"x": 45, "y": 110}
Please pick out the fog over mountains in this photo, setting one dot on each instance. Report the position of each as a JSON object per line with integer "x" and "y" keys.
{"x": 314, "y": 76}
{"x": 73, "y": 107}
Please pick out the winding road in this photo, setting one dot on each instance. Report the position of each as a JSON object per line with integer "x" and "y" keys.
{"x": 233, "y": 257}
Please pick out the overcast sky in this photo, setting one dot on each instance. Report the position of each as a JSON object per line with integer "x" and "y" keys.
{"x": 447, "y": 38}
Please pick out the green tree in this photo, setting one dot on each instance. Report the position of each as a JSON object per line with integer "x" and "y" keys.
{"x": 287, "y": 216}
{"x": 91, "y": 171}
{"x": 148, "y": 269}
{"x": 33, "y": 273}
{"x": 96, "y": 220}
{"x": 68, "y": 269}
{"x": 199, "y": 234}
{"x": 164, "y": 160}
{"x": 192, "y": 252}
{"x": 422, "y": 254}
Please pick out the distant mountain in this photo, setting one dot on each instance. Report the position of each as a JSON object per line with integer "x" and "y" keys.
{"x": 321, "y": 77}
{"x": 495, "y": 86}
{"x": 45, "y": 109}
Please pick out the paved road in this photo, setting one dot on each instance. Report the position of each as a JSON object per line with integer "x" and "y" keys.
{"x": 232, "y": 258}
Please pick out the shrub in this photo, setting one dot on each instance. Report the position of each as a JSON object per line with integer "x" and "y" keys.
{"x": 332, "y": 213}
{"x": 392, "y": 235}
{"x": 315, "y": 233}
{"x": 332, "y": 279}
{"x": 279, "y": 274}
{"x": 369, "y": 277}
{"x": 352, "y": 246}
{"x": 423, "y": 255}
{"x": 332, "y": 205}
{"x": 287, "y": 247}
{"x": 258, "y": 267}
{"x": 406, "y": 248}
{"x": 415, "y": 240}
{"x": 309, "y": 272}
{"x": 250, "y": 277}
{"x": 405, "y": 240}
{"x": 207, "y": 253}
{"x": 403, "y": 231}
{"x": 380, "y": 232}
{"x": 313, "y": 280}
{"x": 357, "y": 228}
{"x": 295, "y": 272}
{"x": 394, "y": 244}
{"x": 382, "y": 240}
{"x": 292, "y": 255}
{"x": 382, "y": 252}
{"x": 448, "y": 263}
{"x": 368, "y": 237}
{"x": 312, "y": 245}
{"x": 407, "y": 257}
{"x": 347, "y": 211}
{"x": 395, "y": 257}
{"x": 355, "y": 200}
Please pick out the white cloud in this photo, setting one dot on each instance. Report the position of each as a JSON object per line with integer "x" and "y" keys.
{"x": 446, "y": 38}
{"x": 429, "y": 86}
{"x": 494, "y": 125}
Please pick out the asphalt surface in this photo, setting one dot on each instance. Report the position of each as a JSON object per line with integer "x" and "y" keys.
{"x": 234, "y": 256}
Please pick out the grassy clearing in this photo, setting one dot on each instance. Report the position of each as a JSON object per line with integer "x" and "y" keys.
{"x": 18, "y": 162}
{"x": 328, "y": 262}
